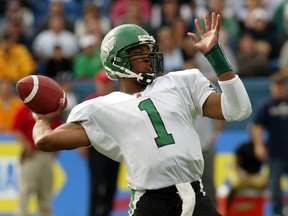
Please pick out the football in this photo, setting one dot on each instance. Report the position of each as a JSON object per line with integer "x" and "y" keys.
{"x": 40, "y": 93}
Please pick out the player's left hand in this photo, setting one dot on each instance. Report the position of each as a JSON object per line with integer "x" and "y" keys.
{"x": 208, "y": 36}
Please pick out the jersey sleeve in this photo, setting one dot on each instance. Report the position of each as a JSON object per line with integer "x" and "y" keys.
{"x": 78, "y": 114}
{"x": 86, "y": 114}
{"x": 82, "y": 113}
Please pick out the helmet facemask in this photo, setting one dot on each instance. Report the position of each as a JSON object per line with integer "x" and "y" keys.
{"x": 154, "y": 57}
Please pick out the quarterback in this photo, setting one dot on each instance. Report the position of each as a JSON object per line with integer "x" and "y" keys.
{"x": 149, "y": 124}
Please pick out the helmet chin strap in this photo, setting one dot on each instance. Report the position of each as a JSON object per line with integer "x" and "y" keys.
{"x": 143, "y": 78}
{"x": 146, "y": 78}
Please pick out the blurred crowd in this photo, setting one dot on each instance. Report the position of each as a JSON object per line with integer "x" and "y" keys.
{"x": 54, "y": 36}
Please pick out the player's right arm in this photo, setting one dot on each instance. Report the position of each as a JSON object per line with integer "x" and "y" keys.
{"x": 65, "y": 137}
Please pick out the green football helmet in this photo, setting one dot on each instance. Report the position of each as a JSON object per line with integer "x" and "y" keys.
{"x": 115, "y": 58}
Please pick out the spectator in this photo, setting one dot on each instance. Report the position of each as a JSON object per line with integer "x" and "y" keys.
{"x": 56, "y": 35}
{"x": 103, "y": 171}
{"x": 18, "y": 10}
{"x": 91, "y": 13}
{"x": 172, "y": 53}
{"x": 179, "y": 25}
{"x": 272, "y": 117}
{"x": 16, "y": 61}
{"x": 134, "y": 15}
{"x": 243, "y": 10}
{"x": 250, "y": 172}
{"x": 164, "y": 11}
{"x": 201, "y": 7}
{"x": 57, "y": 64}
{"x": 35, "y": 166}
{"x": 15, "y": 29}
{"x": 183, "y": 41}
{"x": 94, "y": 28}
{"x": 119, "y": 9}
{"x": 228, "y": 24}
{"x": 251, "y": 61}
{"x": 250, "y": 175}
{"x": 163, "y": 14}
{"x": 266, "y": 42}
{"x": 9, "y": 103}
{"x": 55, "y": 9}
{"x": 188, "y": 53}
{"x": 87, "y": 62}
{"x": 259, "y": 27}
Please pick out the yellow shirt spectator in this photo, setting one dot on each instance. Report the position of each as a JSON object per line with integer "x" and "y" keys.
{"x": 16, "y": 61}
{"x": 9, "y": 104}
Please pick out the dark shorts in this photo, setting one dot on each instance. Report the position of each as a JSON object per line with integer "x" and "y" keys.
{"x": 167, "y": 202}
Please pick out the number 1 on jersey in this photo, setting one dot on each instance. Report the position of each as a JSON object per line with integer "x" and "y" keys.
{"x": 163, "y": 138}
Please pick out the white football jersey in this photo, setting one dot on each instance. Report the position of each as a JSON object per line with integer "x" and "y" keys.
{"x": 151, "y": 132}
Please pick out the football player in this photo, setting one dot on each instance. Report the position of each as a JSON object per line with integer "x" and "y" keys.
{"x": 149, "y": 124}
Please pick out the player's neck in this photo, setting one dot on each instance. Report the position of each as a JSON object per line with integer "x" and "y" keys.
{"x": 130, "y": 86}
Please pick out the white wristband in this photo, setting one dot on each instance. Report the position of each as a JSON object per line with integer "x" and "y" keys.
{"x": 235, "y": 101}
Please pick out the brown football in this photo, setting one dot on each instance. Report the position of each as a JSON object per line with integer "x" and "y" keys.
{"x": 40, "y": 93}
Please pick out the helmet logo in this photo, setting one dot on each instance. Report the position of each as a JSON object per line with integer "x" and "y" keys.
{"x": 107, "y": 46}
{"x": 146, "y": 38}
